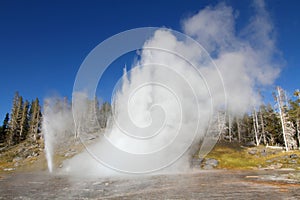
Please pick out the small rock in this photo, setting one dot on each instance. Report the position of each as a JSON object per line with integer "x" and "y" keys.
{"x": 263, "y": 154}
{"x": 293, "y": 161}
{"x": 252, "y": 151}
{"x": 212, "y": 162}
{"x": 21, "y": 150}
{"x": 27, "y": 154}
{"x": 16, "y": 159}
{"x": 196, "y": 162}
{"x": 293, "y": 156}
{"x": 35, "y": 154}
{"x": 250, "y": 144}
{"x": 106, "y": 184}
{"x": 9, "y": 169}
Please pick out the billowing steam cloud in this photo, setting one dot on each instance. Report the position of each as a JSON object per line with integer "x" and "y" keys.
{"x": 245, "y": 58}
{"x": 166, "y": 102}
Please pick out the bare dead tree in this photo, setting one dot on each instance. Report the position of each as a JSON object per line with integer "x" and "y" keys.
{"x": 288, "y": 131}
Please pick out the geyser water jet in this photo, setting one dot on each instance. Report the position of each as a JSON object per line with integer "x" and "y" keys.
{"x": 58, "y": 127}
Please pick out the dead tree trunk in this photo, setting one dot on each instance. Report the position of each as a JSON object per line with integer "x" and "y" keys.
{"x": 280, "y": 107}
{"x": 255, "y": 127}
{"x": 238, "y": 129}
{"x": 297, "y": 129}
{"x": 229, "y": 127}
{"x": 262, "y": 127}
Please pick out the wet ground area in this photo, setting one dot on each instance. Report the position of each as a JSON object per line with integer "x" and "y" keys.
{"x": 215, "y": 184}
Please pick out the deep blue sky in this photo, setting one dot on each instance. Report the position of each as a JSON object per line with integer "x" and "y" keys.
{"x": 42, "y": 43}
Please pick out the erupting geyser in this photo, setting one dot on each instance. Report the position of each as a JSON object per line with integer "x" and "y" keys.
{"x": 169, "y": 98}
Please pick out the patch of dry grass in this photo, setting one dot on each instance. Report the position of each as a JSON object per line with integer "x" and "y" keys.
{"x": 234, "y": 156}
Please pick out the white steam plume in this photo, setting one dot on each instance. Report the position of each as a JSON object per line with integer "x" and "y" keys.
{"x": 245, "y": 58}
{"x": 164, "y": 93}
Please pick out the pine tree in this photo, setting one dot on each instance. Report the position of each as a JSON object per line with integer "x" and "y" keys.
{"x": 35, "y": 120}
{"x": 17, "y": 133}
{"x": 15, "y": 119}
{"x": 246, "y": 129}
{"x": 4, "y": 129}
{"x": 91, "y": 116}
{"x": 105, "y": 113}
{"x": 271, "y": 126}
{"x": 294, "y": 113}
{"x": 24, "y": 121}
{"x": 238, "y": 128}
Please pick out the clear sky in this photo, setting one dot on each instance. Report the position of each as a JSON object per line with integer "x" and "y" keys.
{"x": 43, "y": 43}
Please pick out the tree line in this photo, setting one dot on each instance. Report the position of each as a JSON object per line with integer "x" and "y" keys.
{"x": 93, "y": 117}
{"x": 272, "y": 125}
{"x": 26, "y": 118}
{"x": 24, "y": 122}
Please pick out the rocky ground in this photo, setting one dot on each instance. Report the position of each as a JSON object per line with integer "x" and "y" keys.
{"x": 29, "y": 156}
{"x": 22, "y": 156}
{"x": 205, "y": 184}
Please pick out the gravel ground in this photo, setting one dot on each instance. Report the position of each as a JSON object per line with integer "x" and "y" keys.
{"x": 215, "y": 184}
